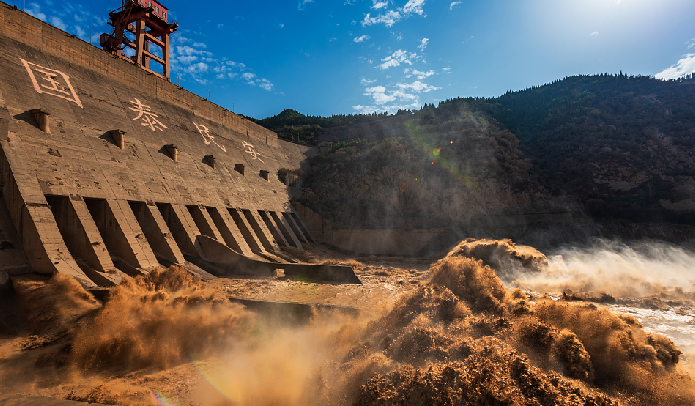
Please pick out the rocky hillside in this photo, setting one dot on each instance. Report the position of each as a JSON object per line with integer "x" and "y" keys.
{"x": 602, "y": 147}
{"x": 425, "y": 174}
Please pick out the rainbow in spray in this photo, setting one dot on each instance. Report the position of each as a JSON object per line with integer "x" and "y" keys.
{"x": 165, "y": 400}
{"x": 227, "y": 389}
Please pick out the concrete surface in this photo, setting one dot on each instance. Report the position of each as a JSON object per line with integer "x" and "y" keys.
{"x": 105, "y": 166}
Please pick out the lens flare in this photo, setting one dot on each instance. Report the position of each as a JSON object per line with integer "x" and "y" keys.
{"x": 227, "y": 389}
{"x": 165, "y": 400}
{"x": 443, "y": 162}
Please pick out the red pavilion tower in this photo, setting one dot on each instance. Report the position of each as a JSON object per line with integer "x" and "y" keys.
{"x": 148, "y": 20}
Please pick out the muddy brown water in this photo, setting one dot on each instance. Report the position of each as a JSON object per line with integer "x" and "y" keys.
{"x": 452, "y": 333}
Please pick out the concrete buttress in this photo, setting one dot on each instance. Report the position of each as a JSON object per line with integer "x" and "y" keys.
{"x": 30, "y": 212}
{"x": 230, "y": 232}
{"x": 122, "y": 233}
{"x": 157, "y": 232}
{"x": 250, "y": 235}
{"x": 286, "y": 229}
{"x": 273, "y": 228}
{"x": 83, "y": 239}
{"x": 289, "y": 220}
{"x": 202, "y": 219}
{"x": 182, "y": 226}
{"x": 265, "y": 235}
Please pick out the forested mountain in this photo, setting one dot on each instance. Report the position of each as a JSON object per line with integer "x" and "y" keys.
{"x": 293, "y": 126}
{"x": 601, "y": 146}
{"x": 622, "y": 145}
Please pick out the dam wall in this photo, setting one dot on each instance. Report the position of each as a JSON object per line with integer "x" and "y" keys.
{"x": 106, "y": 168}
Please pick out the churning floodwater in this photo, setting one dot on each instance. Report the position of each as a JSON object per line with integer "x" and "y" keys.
{"x": 464, "y": 334}
{"x": 677, "y": 323}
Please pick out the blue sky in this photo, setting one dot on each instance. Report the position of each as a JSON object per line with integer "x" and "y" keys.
{"x": 324, "y": 57}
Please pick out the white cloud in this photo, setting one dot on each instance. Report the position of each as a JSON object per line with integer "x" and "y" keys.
{"x": 282, "y": 25}
{"x": 58, "y": 23}
{"x": 414, "y": 6}
{"x": 185, "y": 50}
{"x": 362, "y": 38}
{"x": 265, "y": 84}
{"x": 80, "y": 32}
{"x": 200, "y": 67}
{"x": 197, "y": 63}
{"x": 379, "y": 4}
{"x": 390, "y": 17}
{"x": 379, "y": 109}
{"x": 220, "y": 25}
{"x": 402, "y": 96}
{"x": 35, "y": 10}
{"x": 684, "y": 66}
{"x": 396, "y": 59}
{"x": 424, "y": 43}
{"x": 423, "y": 75}
{"x": 417, "y": 86}
{"x": 378, "y": 93}
{"x": 67, "y": 15}
{"x": 302, "y": 4}
{"x": 454, "y": 4}
{"x": 594, "y": 34}
{"x": 690, "y": 43}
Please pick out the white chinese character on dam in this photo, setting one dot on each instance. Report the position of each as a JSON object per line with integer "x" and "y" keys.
{"x": 51, "y": 81}
{"x": 149, "y": 119}
{"x": 207, "y": 138}
{"x": 252, "y": 151}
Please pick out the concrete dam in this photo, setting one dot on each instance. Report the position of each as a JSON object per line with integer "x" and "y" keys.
{"x": 107, "y": 168}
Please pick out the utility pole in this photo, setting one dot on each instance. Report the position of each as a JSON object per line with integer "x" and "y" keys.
{"x": 178, "y": 80}
{"x": 208, "y": 95}
{"x": 90, "y": 36}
